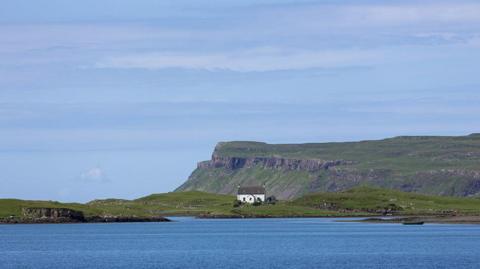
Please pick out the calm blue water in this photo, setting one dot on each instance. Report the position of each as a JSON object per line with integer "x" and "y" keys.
{"x": 250, "y": 243}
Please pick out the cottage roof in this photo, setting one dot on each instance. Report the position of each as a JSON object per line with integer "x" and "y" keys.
{"x": 251, "y": 190}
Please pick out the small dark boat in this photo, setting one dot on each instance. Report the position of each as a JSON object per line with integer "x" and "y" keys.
{"x": 413, "y": 223}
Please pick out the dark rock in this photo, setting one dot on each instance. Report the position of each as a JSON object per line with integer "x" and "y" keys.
{"x": 53, "y": 214}
{"x": 126, "y": 219}
{"x": 66, "y": 215}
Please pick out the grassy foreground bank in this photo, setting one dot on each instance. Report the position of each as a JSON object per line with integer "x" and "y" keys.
{"x": 360, "y": 201}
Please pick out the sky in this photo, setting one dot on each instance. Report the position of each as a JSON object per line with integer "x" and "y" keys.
{"x": 112, "y": 98}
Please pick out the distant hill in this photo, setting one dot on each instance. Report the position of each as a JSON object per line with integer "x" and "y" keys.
{"x": 440, "y": 165}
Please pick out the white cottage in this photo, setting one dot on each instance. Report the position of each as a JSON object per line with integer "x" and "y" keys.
{"x": 251, "y": 194}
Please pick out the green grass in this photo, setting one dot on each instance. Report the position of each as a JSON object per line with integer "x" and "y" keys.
{"x": 13, "y": 207}
{"x": 174, "y": 203}
{"x": 368, "y": 198}
{"x": 399, "y": 152}
{"x": 284, "y": 209}
{"x": 357, "y": 201}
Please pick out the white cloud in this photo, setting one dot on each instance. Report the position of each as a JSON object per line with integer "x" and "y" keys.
{"x": 95, "y": 174}
{"x": 258, "y": 59}
{"x": 409, "y": 13}
{"x": 378, "y": 15}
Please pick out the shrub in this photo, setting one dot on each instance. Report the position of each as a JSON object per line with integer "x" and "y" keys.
{"x": 257, "y": 203}
{"x": 271, "y": 200}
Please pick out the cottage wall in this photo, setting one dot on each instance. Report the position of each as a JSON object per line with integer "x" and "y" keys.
{"x": 248, "y": 198}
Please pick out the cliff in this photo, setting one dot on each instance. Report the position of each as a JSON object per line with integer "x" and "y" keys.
{"x": 425, "y": 164}
{"x": 271, "y": 163}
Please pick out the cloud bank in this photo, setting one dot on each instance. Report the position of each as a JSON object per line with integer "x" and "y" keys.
{"x": 259, "y": 59}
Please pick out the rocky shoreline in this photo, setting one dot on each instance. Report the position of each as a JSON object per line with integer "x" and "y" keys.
{"x": 65, "y": 215}
{"x": 440, "y": 219}
{"x": 95, "y": 219}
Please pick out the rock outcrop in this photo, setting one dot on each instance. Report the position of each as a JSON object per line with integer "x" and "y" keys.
{"x": 53, "y": 214}
{"x": 233, "y": 163}
{"x": 67, "y": 215}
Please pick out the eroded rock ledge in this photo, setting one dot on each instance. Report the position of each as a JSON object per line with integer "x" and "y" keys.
{"x": 66, "y": 215}
{"x": 271, "y": 162}
{"x": 58, "y": 214}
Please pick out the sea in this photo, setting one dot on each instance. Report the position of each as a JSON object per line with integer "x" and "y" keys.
{"x": 240, "y": 243}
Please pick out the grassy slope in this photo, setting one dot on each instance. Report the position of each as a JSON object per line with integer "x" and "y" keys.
{"x": 218, "y": 180}
{"x": 9, "y": 207}
{"x": 402, "y": 150}
{"x": 395, "y": 162}
{"x": 181, "y": 203}
{"x": 367, "y": 198}
{"x": 405, "y": 153}
{"x": 173, "y": 203}
{"x": 358, "y": 201}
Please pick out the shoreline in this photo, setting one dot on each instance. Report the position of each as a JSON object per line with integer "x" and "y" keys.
{"x": 360, "y": 219}
{"x": 431, "y": 219}
{"x": 424, "y": 219}
{"x": 94, "y": 219}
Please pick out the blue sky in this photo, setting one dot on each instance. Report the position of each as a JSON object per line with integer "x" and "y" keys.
{"x": 104, "y": 98}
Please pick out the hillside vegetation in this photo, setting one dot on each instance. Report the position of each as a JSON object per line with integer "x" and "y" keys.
{"x": 448, "y": 166}
{"x": 13, "y": 207}
{"x": 360, "y": 201}
{"x": 168, "y": 204}
{"x": 368, "y": 199}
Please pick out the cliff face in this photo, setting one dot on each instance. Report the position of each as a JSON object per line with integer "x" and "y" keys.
{"x": 285, "y": 177}
{"x": 233, "y": 163}
{"x": 431, "y": 165}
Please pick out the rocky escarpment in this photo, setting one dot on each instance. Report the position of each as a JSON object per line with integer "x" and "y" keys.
{"x": 233, "y": 163}
{"x": 219, "y": 174}
{"x": 424, "y": 164}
